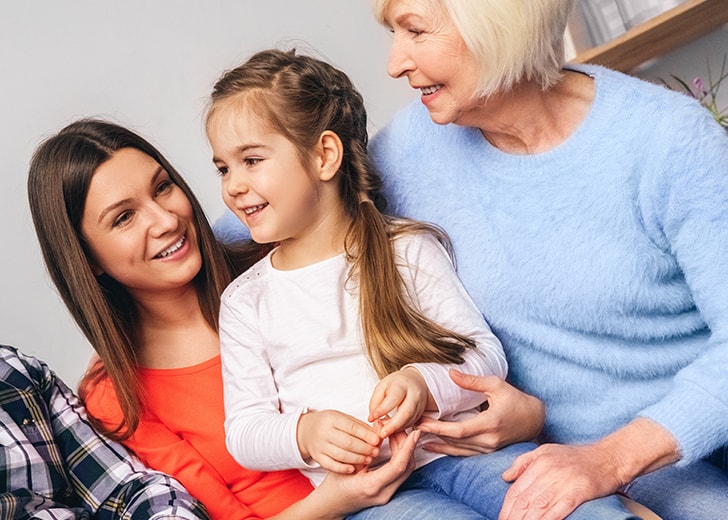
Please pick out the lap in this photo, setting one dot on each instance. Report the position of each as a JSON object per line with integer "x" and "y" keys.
{"x": 698, "y": 491}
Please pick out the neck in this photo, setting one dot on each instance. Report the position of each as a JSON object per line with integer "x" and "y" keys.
{"x": 173, "y": 330}
{"x": 322, "y": 241}
{"x": 529, "y": 120}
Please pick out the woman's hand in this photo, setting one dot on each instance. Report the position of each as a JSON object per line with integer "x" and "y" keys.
{"x": 405, "y": 391}
{"x": 553, "y": 480}
{"x": 337, "y": 441}
{"x": 511, "y": 416}
{"x": 340, "y": 495}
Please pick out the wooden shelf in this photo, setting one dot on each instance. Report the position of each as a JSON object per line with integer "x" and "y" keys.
{"x": 671, "y": 29}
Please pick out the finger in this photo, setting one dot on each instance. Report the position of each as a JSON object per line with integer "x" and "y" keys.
{"x": 389, "y": 399}
{"x": 375, "y": 401}
{"x": 402, "y": 459}
{"x": 519, "y": 466}
{"x": 455, "y": 430}
{"x": 448, "y": 449}
{"x": 407, "y": 413}
{"x": 357, "y": 429}
{"x": 335, "y": 466}
{"x": 483, "y": 384}
{"x": 348, "y": 449}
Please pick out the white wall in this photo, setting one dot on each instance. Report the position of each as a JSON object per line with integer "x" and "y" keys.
{"x": 150, "y": 65}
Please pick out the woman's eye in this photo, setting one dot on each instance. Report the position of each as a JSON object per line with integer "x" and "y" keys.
{"x": 164, "y": 186}
{"x": 122, "y": 219}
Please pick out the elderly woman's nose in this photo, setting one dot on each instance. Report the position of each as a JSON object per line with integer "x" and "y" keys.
{"x": 399, "y": 62}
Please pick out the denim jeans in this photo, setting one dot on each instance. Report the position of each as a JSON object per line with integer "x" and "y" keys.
{"x": 695, "y": 492}
{"x": 464, "y": 488}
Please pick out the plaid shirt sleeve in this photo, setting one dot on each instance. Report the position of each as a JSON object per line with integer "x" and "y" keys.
{"x": 55, "y": 466}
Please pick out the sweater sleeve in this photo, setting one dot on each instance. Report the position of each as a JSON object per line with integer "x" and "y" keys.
{"x": 441, "y": 297}
{"x": 258, "y": 435}
{"x": 161, "y": 449}
{"x": 687, "y": 215}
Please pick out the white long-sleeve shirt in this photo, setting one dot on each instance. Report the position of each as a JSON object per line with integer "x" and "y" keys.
{"x": 291, "y": 340}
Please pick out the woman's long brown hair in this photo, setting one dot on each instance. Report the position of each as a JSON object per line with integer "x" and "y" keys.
{"x": 60, "y": 173}
{"x": 301, "y": 97}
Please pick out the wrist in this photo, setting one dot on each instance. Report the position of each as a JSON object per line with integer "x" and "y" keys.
{"x": 301, "y": 436}
{"x": 430, "y": 404}
{"x": 638, "y": 448}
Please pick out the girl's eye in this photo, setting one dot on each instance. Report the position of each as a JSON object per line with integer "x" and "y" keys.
{"x": 122, "y": 219}
{"x": 252, "y": 161}
{"x": 221, "y": 171}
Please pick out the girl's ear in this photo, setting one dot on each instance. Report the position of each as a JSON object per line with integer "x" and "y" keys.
{"x": 330, "y": 152}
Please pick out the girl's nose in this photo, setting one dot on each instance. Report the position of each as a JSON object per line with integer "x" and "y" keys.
{"x": 235, "y": 183}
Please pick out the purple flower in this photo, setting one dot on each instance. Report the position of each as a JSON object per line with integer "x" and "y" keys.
{"x": 699, "y": 89}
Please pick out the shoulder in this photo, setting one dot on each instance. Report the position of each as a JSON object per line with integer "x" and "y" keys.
{"x": 418, "y": 247}
{"x": 246, "y": 287}
{"x": 102, "y": 403}
{"x": 645, "y": 103}
{"x": 24, "y": 371}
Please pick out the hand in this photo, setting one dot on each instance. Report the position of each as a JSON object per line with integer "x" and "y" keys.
{"x": 553, "y": 480}
{"x": 511, "y": 416}
{"x": 337, "y": 441}
{"x": 339, "y": 495}
{"x": 405, "y": 391}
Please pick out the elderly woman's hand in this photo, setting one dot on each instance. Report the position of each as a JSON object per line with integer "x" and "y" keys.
{"x": 511, "y": 416}
{"x": 553, "y": 480}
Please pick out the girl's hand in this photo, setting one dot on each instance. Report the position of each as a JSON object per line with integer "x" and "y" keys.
{"x": 339, "y": 495}
{"x": 405, "y": 391}
{"x": 511, "y": 416}
{"x": 337, "y": 441}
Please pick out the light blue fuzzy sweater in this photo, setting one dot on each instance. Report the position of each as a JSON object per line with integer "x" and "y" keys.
{"x": 602, "y": 265}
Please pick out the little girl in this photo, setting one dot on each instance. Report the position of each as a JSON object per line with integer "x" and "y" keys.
{"x": 344, "y": 333}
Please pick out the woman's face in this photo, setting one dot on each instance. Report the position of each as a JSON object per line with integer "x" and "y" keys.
{"x": 138, "y": 225}
{"x": 429, "y": 51}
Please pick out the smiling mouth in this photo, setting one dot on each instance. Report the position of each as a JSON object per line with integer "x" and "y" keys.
{"x": 254, "y": 209}
{"x": 430, "y": 90}
{"x": 173, "y": 248}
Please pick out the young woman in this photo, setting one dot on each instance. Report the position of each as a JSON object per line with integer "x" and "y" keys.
{"x": 350, "y": 306}
{"x": 135, "y": 261}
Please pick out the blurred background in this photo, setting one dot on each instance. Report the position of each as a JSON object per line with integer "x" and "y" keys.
{"x": 150, "y": 66}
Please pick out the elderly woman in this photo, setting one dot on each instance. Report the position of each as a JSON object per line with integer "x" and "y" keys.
{"x": 589, "y": 214}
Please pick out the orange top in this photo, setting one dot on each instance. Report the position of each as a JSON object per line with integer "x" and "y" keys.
{"x": 181, "y": 433}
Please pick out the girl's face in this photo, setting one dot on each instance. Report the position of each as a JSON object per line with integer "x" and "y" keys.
{"x": 138, "y": 225}
{"x": 264, "y": 181}
{"x": 429, "y": 51}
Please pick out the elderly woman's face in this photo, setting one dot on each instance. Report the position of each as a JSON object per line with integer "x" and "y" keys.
{"x": 429, "y": 51}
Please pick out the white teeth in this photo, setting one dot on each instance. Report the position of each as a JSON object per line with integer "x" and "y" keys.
{"x": 430, "y": 90}
{"x": 171, "y": 249}
{"x": 253, "y": 209}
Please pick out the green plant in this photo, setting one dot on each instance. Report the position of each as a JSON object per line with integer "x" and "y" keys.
{"x": 706, "y": 93}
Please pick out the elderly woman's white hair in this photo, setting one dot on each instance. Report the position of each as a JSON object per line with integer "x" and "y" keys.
{"x": 511, "y": 40}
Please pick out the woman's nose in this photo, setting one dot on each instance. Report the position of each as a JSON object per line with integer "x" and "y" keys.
{"x": 398, "y": 63}
{"x": 163, "y": 220}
